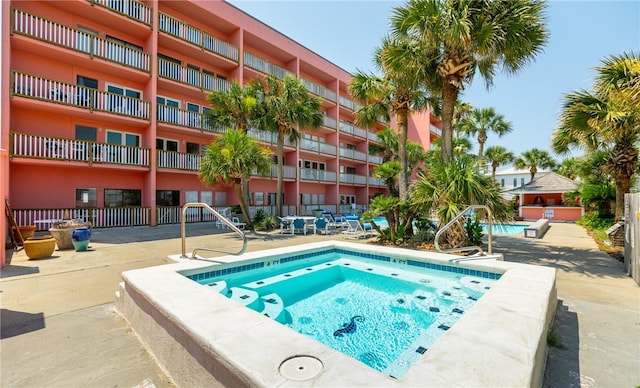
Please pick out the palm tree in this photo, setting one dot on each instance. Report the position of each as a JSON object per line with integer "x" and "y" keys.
{"x": 231, "y": 159}
{"x": 607, "y": 119}
{"x": 482, "y": 121}
{"x": 284, "y": 105}
{"x": 569, "y": 167}
{"x": 449, "y": 187}
{"x": 461, "y": 112}
{"x": 459, "y": 38}
{"x": 398, "y": 91}
{"x": 534, "y": 159}
{"x": 235, "y": 107}
{"x": 498, "y": 155}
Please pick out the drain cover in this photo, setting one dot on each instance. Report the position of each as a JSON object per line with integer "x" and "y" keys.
{"x": 301, "y": 368}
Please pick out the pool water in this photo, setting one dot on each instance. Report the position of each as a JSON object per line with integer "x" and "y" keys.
{"x": 385, "y": 315}
{"x": 505, "y": 228}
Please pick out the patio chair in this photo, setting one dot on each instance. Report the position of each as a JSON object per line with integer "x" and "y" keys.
{"x": 354, "y": 229}
{"x": 236, "y": 222}
{"x": 299, "y": 225}
{"x": 322, "y": 226}
{"x": 286, "y": 226}
{"x": 309, "y": 224}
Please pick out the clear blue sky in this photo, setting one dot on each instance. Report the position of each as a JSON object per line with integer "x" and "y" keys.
{"x": 582, "y": 33}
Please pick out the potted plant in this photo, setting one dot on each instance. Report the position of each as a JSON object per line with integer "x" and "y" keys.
{"x": 318, "y": 213}
{"x": 63, "y": 230}
{"x": 39, "y": 247}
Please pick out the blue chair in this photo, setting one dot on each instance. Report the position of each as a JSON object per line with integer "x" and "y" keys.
{"x": 299, "y": 226}
{"x": 322, "y": 226}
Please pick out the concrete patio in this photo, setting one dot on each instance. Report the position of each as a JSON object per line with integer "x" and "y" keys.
{"x": 59, "y": 326}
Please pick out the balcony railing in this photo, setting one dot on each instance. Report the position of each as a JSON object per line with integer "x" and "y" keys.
{"x": 348, "y": 103}
{"x": 45, "y": 89}
{"x": 319, "y": 90}
{"x": 353, "y": 154}
{"x": 254, "y": 62}
{"x": 268, "y": 137}
{"x": 189, "y": 76}
{"x": 73, "y": 150}
{"x": 353, "y": 179}
{"x": 318, "y": 175}
{"x": 184, "y": 118}
{"x": 24, "y": 23}
{"x": 348, "y": 127}
{"x": 330, "y": 122}
{"x": 288, "y": 172}
{"x": 374, "y": 137}
{"x": 130, "y": 8}
{"x": 375, "y": 159}
{"x": 379, "y": 182}
{"x": 98, "y": 217}
{"x": 435, "y": 130}
{"x": 323, "y": 148}
{"x": 178, "y": 160}
{"x": 188, "y": 33}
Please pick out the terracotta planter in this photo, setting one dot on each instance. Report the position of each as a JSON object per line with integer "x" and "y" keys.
{"x": 27, "y": 231}
{"x": 39, "y": 247}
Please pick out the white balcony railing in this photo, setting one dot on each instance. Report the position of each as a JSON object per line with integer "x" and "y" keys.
{"x": 53, "y": 148}
{"x": 353, "y": 179}
{"x": 350, "y": 128}
{"x": 178, "y": 160}
{"x": 188, "y": 33}
{"x": 36, "y": 27}
{"x": 44, "y": 89}
{"x": 318, "y": 175}
{"x": 319, "y": 90}
{"x": 184, "y": 118}
{"x": 189, "y": 76}
{"x": 262, "y": 65}
{"x": 130, "y": 8}
{"x": 268, "y": 137}
{"x": 353, "y": 154}
{"x": 323, "y": 148}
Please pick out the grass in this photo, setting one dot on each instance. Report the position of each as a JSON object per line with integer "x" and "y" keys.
{"x": 597, "y": 228}
{"x": 554, "y": 340}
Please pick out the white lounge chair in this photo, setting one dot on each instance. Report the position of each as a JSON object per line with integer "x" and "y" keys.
{"x": 354, "y": 229}
{"x": 236, "y": 222}
{"x": 286, "y": 226}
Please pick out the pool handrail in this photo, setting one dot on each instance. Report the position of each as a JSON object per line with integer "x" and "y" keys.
{"x": 221, "y": 218}
{"x": 465, "y": 212}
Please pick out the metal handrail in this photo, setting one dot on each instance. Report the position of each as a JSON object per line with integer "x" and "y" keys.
{"x": 469, "y": 248}
{"x": 221, "y": 218}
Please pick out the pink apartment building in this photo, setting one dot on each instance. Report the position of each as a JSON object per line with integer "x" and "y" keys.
{"x": 103, "y": 106}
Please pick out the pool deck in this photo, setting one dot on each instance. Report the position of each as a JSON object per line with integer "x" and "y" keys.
{"x": 59, "y": 325}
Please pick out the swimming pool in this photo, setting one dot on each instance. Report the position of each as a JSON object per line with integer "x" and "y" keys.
{"x": 202, "y": 338}
{"x": 381, "y": 313}
{"x": 505, "y": 228}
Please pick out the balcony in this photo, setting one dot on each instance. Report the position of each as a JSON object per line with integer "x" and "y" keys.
{"x": 184, "y": 118}
{"x": 73, "y": 150}
{"x": 353, "y": 179}
{"x": 435, "y": 130}
{"x": 353, "y": 154}
{"x": 192, "y": 77}
{"x": 319, "y": 90}
{"x": 377, "y": 182}
{"x": 373, "y": 137}
{"x": 329, "y": 122}
{"x": 349, "y": 128}
{"x": 196, "y": 37}
{"x": 43, "y": 89}
{"x": 262, "y": 65}
{"x": 375, "y": 159}
{"x": 268, "y": 137}
{"x": 309, "y": 174}
{"x": 178, "y": 160}
{"x": 348, "y": 103}
{"x": 316, "y": 146}
{"x": 32, "y": 26}
{"x": 288, "y": 172}
{"x": 130, "y": 8}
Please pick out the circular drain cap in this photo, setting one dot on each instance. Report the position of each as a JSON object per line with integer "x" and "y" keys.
{"x": 301, "y": 368}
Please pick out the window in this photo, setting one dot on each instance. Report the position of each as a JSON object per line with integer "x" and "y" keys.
{"x": 122, "y": 197}
{"x": 166, "y": 144}
{"x": 123, "y": 138}
{"x": 86, "y": 39}
{"x": 515, "y": 182}
{"x": 123, "y": 100}
{"x": 193, "y": 115}
{"x": 168, "y": 110}
{"x": 85, "y": 133}
{"x": 169, "y": 67}
{"x": 86, "y": 96}
{"x": 521, "y": 181}
{"x": 502, "y": 182}
{"x": 121, "y": 155}
{"x": 193, "y": 148}
{"x": 86, "y": 198}
{"x": 193, "y": 75}
{"x": 167, "y": 197}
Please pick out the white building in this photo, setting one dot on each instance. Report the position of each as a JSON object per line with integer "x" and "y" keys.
{"x": 511, "y": 177}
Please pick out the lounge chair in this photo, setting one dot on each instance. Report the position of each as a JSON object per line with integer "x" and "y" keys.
{"x": 354, "y": 229}
{"x": 309, "y": 224}
{"x": 236, "y": 222}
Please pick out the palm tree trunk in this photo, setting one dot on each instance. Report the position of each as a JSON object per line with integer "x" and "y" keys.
{"x": 243, "y": 204}
{"x": 402, "y": 151}
{"x": 623, "y": 185}
{"x": 279, "y": 187}
{"x": 449, "y": 97}
{"x": 482, "y": 138}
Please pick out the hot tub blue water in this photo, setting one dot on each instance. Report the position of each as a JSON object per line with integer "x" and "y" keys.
{"x": 382, "y": 313}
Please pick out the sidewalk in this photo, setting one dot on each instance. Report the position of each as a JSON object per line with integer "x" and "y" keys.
{"x": 59, "y": 327}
